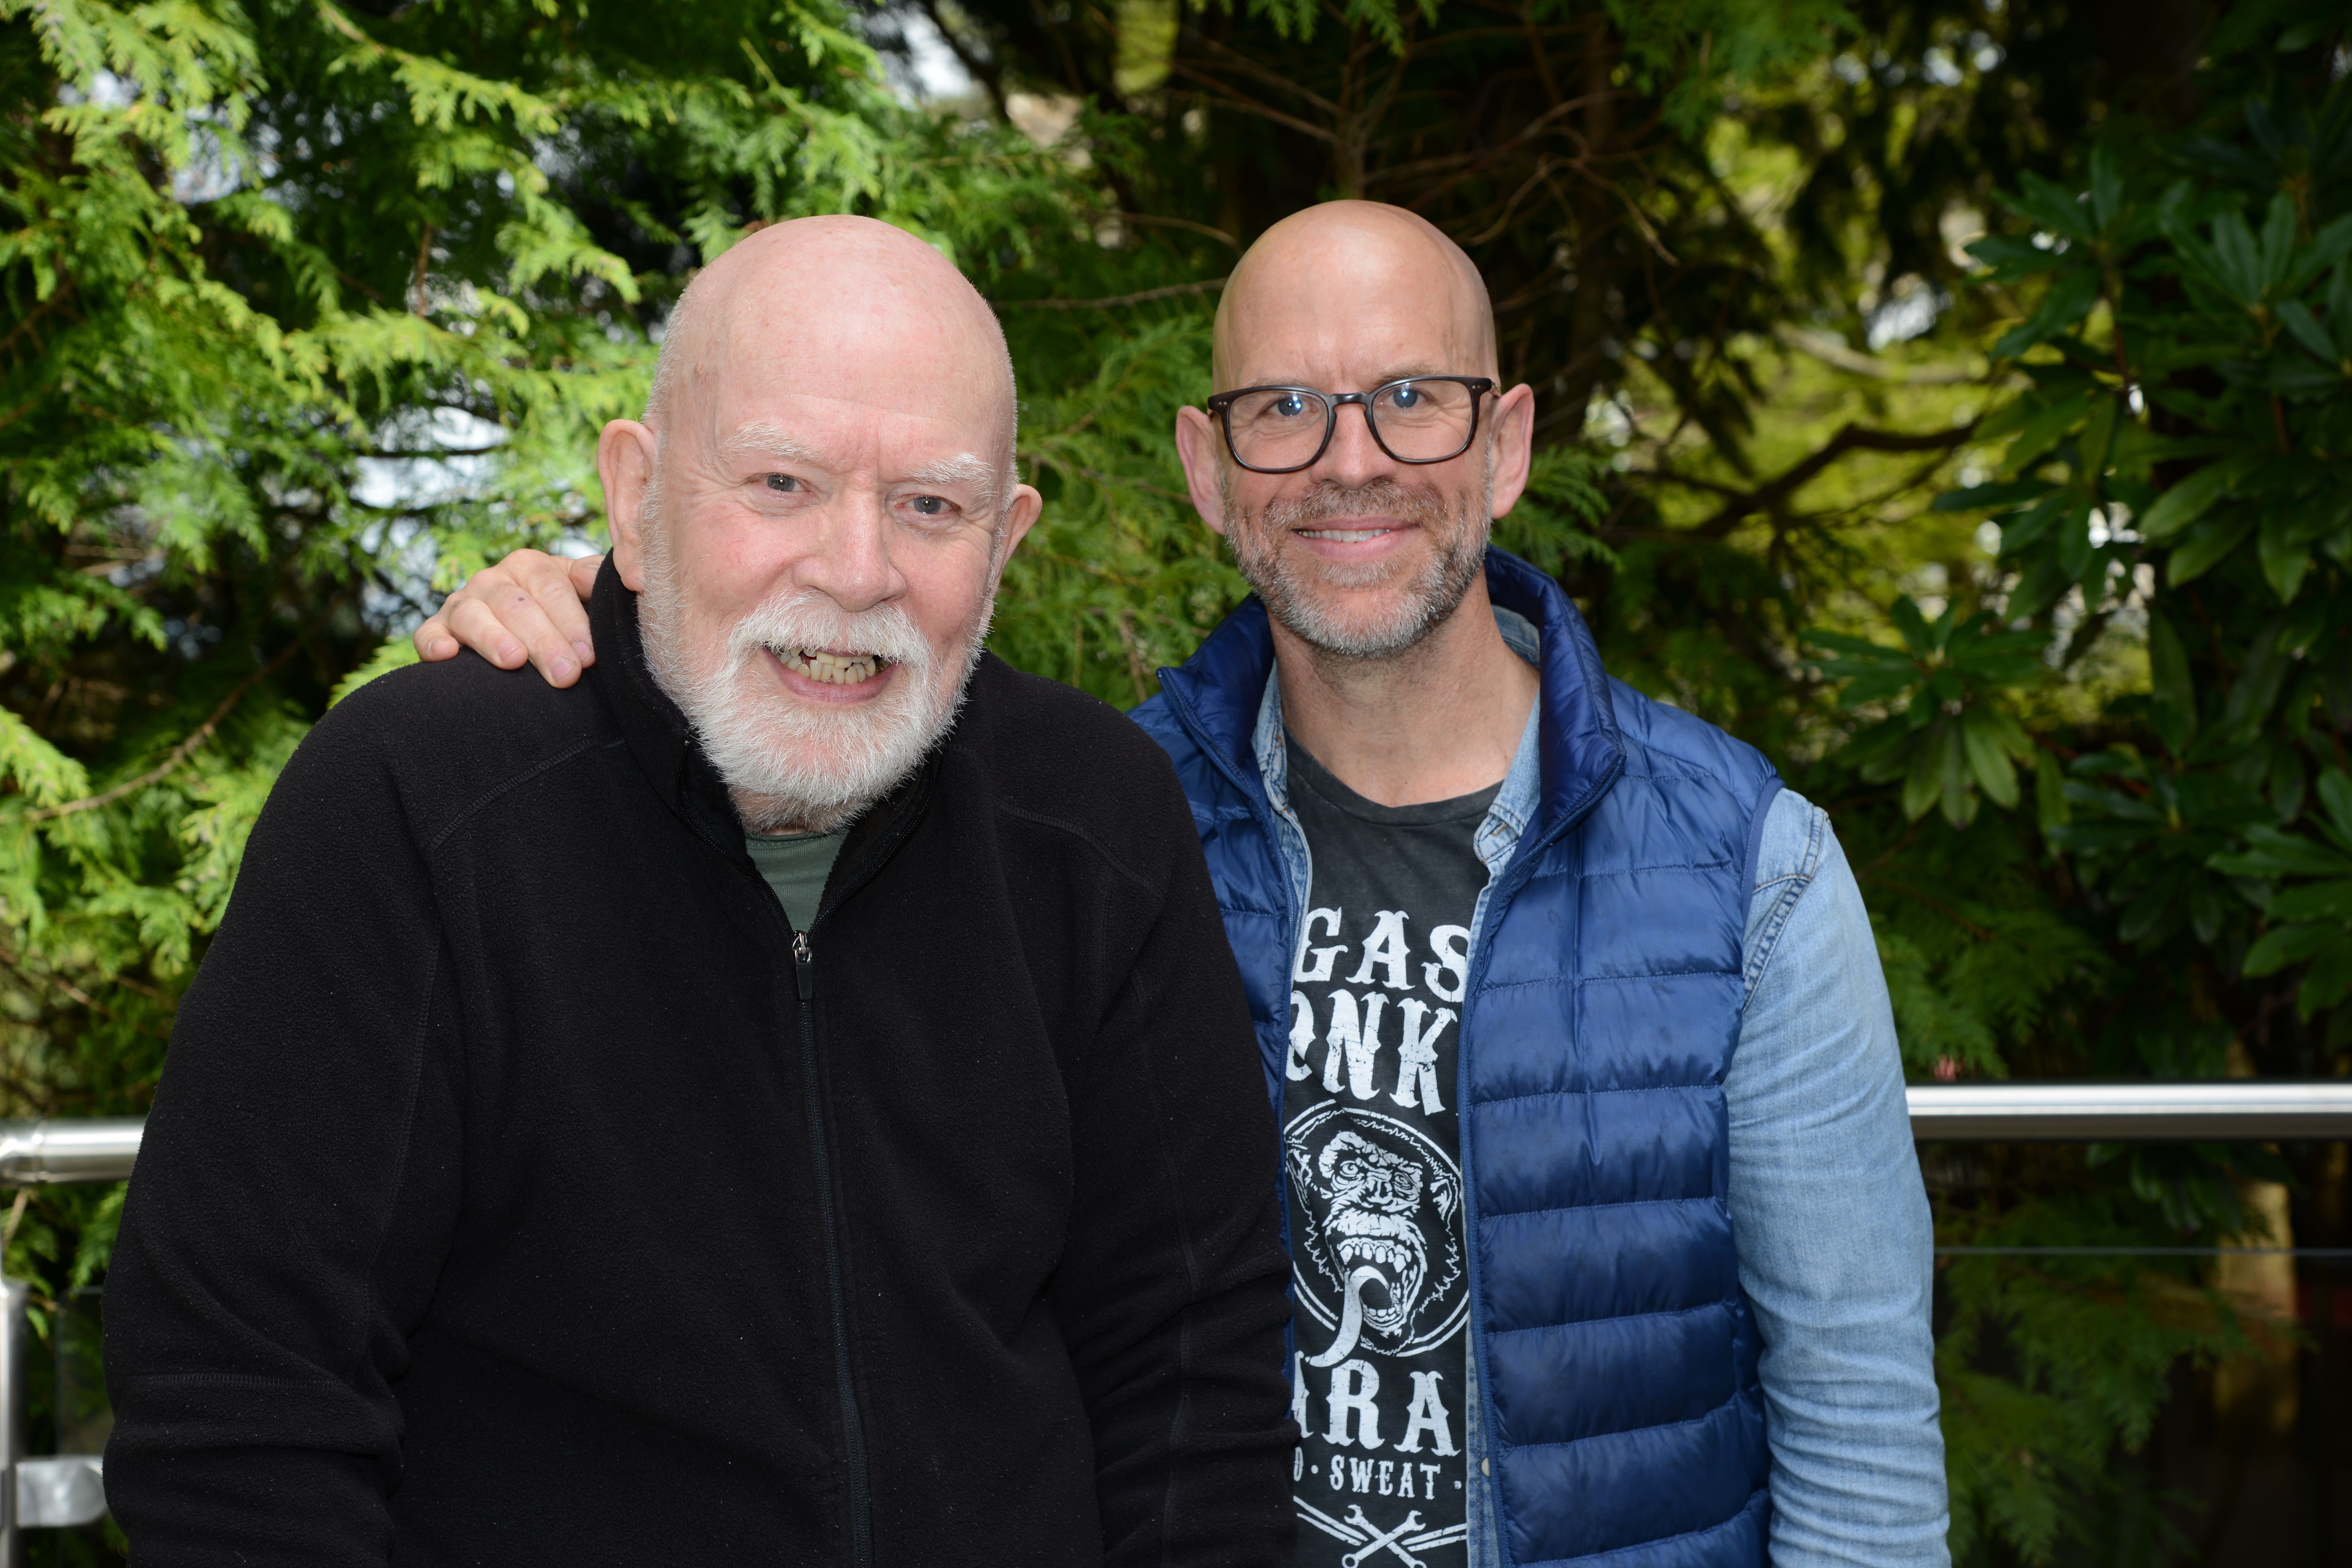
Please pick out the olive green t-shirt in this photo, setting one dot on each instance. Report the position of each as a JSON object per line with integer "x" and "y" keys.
{"x": 797, "y": 864}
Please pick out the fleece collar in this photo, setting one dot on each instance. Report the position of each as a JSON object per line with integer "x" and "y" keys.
{"x": 663, "y": 742}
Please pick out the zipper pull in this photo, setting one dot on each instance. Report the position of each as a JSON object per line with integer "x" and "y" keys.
{"x": 804, "y": 967}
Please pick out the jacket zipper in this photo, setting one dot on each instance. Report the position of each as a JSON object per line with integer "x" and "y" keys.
{"x": 1498, "y": 902}
{"x": 853, "y": 1425}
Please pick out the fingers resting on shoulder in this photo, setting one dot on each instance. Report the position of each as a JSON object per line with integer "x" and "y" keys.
{"x": 531, "y": 605}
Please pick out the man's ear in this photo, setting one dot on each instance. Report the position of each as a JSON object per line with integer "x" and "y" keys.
{"x": 1514, "y": 435}
{"x": 625, "y": 453}
{"x": 1197, "y": 444}
{"x": 1019, "y": 519}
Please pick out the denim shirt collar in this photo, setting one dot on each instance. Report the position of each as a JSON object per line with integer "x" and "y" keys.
{"x": 1515, "y": 805}
{"x": 1522, "y": 792}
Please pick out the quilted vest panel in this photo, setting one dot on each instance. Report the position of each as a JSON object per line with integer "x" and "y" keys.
{"x": 1618, "y": 1355}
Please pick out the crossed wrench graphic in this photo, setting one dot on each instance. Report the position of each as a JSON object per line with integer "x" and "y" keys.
{"x": 1379, "y": 1542}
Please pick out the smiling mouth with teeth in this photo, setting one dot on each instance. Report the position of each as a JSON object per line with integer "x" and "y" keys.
{"x": 829, "y": 669}
{"x": 1344, "y": 535}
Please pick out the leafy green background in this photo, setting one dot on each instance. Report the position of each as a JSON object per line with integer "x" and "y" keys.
{"x": 1954, "y": 398}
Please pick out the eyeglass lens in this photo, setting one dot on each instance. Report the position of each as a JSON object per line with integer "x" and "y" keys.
{"x": 1415, "y": 421}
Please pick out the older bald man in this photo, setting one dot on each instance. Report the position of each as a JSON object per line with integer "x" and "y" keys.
{"x": 848, "y": 1151}
{"x": 1609, "y": 1237}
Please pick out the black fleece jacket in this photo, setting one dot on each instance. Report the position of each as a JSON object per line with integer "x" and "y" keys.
{"x": 512, "y": 1195}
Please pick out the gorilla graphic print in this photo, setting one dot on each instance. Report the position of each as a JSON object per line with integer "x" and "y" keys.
{"x": 1381, "y": 1199}
{"x": 1371, "y": 1159}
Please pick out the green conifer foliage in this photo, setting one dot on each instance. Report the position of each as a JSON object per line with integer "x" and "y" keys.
{"x": 1953, "y": 398}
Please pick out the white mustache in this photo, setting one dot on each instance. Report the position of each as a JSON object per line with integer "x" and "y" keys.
{"x": 808, "y": 621}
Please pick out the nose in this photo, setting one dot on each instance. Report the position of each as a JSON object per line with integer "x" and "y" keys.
{"x": 851, "y": 561}
{"x": 1353, "y": 457}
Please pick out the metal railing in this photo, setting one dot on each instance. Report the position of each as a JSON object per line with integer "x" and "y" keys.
{"x": 58, "y": 1489}
{"x": 100, "y": 1149}
{"x": 2241, "y": 1109}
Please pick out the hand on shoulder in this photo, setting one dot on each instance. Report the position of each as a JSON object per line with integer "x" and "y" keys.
{"x": 530, "y": 606}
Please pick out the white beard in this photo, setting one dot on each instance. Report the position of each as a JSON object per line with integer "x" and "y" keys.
{"x": 791, "y": 764}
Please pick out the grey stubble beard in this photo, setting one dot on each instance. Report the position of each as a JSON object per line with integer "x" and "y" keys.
{"x": 1462, "y": 526}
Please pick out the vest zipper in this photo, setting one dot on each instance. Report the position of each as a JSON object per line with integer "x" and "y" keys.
{"x": 853, "y": 1425}
{"x": 1501, "y": 890}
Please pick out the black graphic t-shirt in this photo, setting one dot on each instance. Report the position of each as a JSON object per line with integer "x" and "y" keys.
{"x": 1372, "y": 1150}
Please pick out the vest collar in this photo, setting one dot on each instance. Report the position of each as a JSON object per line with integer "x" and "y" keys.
{"x": 1219, "y": 688}
{"x": 1577, "y": 738}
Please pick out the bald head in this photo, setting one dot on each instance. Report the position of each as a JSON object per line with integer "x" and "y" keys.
{"x": 834, "y": 303}
{"x": 1346, "y": 275}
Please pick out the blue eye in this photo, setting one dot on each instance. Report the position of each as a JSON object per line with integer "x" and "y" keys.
{"x": 1290, "y": 405}
{"x": 929, "y": 506}
{"x": 783, "y": 484}
{"x": 1406, "y": 396}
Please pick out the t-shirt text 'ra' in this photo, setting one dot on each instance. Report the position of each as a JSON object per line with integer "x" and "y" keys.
{"x": 1372, "y": 1162}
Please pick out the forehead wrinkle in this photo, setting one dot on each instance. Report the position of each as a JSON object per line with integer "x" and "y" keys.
{"x": 1417, "y": 370}
{"x": 840, "y": 275}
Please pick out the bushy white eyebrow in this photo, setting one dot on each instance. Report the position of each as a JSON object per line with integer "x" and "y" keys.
{"x": 964, "y": 468}
{"x": 770, "y": 442}
{"x": 762, "y": 439}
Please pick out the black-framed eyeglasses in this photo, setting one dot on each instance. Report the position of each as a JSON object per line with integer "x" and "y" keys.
{"x": 1415, "y": 419}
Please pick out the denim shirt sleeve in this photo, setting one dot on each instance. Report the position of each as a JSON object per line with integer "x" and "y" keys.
{"x": 1836, "y": 1247}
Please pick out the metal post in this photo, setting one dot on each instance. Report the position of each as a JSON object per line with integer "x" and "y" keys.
{"x": 12, "y": 1418}
{"x": 66, "y": 1489}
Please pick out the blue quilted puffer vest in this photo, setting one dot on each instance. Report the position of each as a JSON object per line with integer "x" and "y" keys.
{"x": 1617, "y": 1354}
